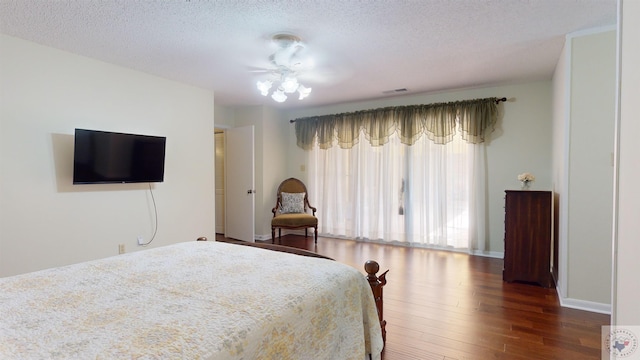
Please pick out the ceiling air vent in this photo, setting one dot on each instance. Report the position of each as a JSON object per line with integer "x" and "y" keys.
{"x": 395, "y": 91}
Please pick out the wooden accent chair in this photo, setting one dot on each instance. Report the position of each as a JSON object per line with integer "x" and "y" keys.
{"x": 291, "y": 210}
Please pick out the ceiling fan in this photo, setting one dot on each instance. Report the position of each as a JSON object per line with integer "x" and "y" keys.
{"x": 285, "y": 66}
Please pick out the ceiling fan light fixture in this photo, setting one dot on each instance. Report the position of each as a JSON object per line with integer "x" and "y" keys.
{"x": 279, "y": 95}
{"x": 264, "y": 87}
{"x": 303, "y": 91}
{"x": 290, "y": 84}
{"x": 286, "y": 64}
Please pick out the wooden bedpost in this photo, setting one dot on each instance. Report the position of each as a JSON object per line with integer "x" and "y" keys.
{"x": 376, "y": 283}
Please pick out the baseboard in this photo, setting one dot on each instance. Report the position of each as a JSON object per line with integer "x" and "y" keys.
{"x": 584, "y": 305}
{"x": 491, "y": 254}
{"x": 262, "y": 237}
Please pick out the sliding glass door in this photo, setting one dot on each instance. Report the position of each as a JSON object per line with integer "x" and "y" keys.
{"x": 419, "y": 194}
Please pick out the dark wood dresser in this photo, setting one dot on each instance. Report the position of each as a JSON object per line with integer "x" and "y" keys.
{"x": 527, "y": 237}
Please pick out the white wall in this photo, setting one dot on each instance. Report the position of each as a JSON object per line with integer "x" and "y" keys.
{"x": 275, "y": 159}
{"x": 46, "y": 221}
{"x": 627, "y": 247}
{"x": 224, "y": 116}
{"x": 584, "y": 112}
{"x": 521, "y": 142}
{"x": 590, "y": 173}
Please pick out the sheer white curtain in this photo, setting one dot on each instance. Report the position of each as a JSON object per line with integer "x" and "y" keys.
{"x": 426, "y": 194}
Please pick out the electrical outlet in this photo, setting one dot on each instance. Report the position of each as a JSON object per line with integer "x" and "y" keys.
{"x": 140, "y": 240}
{"x": 121, "y": 249}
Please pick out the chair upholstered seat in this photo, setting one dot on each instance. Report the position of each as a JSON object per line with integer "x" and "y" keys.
{"x": 291, "y": 210}
{"x": 294, "y": 220}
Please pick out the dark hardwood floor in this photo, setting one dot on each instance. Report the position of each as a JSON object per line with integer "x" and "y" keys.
{"x": 444, "y": 305}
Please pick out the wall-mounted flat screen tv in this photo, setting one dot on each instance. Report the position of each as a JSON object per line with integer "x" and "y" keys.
{"x": 101, "y": 157}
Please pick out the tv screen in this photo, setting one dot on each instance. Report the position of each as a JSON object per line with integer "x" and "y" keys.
{"x": 101, "y": 157}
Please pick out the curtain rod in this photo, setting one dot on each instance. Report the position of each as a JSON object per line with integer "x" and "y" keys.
{"x": 497, "y": 102}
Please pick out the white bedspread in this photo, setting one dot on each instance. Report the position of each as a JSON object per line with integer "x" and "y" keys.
{"x": 192, "y": 300}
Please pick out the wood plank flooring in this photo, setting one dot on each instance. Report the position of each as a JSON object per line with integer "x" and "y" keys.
{"x": 444, "y": 305}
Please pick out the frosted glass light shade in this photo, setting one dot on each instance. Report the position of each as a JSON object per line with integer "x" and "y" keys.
{"x": 303, "y": 91}
{"x": 264, "y": 87}
{"x": 290, "y": 85}
{"x": 285, "y": 84}
{"x": 279, "y": 95}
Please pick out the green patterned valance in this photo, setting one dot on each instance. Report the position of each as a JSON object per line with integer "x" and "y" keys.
{"x": 438, "y": 122}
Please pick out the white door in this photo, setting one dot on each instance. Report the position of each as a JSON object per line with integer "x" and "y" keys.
{"x": 239, "y": 184}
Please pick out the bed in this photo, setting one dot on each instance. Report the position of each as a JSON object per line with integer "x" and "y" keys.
{"x": 192, "y": 300}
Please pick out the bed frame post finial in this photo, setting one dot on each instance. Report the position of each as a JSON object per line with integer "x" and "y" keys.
{"x": 376, "y": 283}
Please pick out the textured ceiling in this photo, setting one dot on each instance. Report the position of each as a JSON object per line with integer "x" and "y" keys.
{"x": 361, "y": 48}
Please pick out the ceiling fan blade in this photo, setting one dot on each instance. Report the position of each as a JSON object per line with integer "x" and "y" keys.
{"x": 324, "y": 76}
{"x": 258, "y": 69}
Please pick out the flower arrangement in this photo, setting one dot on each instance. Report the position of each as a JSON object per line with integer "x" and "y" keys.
{"x": 526, "y": 179}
